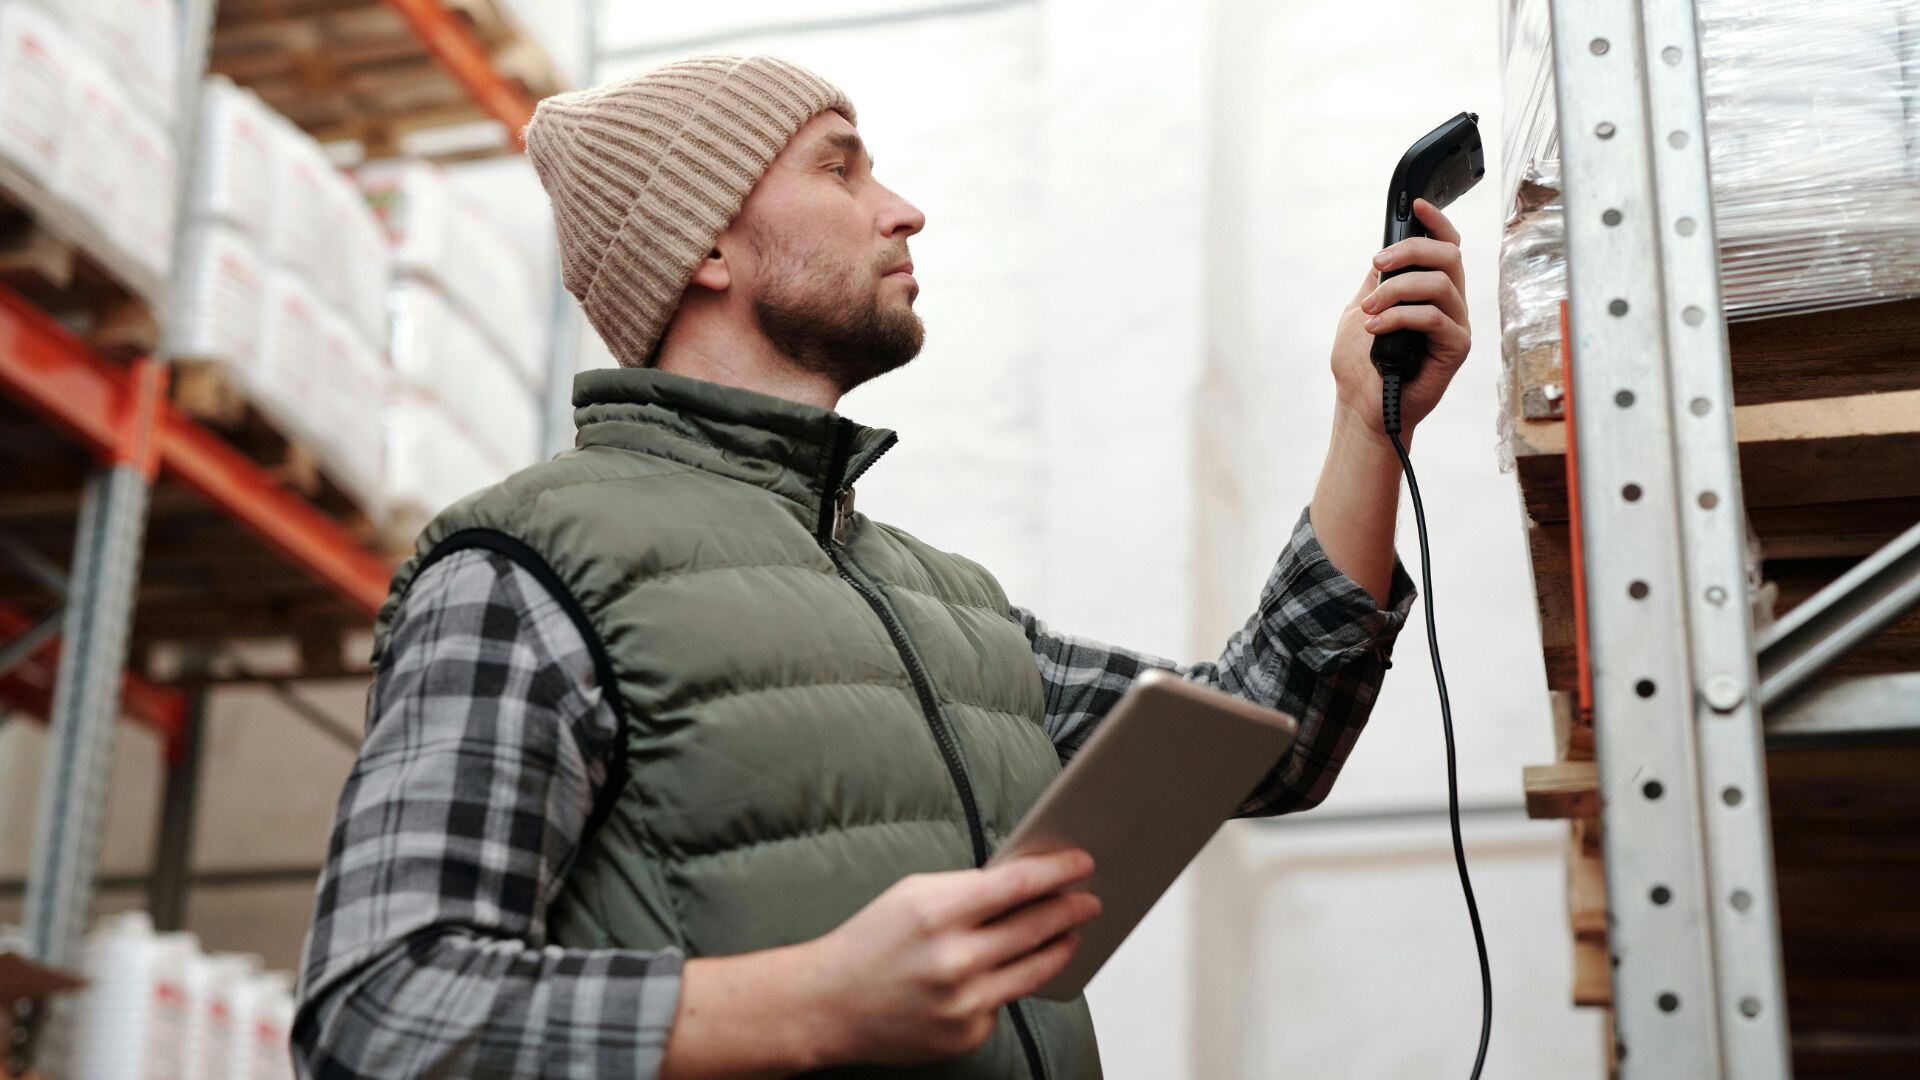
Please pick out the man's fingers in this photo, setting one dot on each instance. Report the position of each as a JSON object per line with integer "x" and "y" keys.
{"x": 1428, "y": 253}
{"x": 1018, "y": 881}
{"x": 1436, "y": 222}
{"x": 1443, "y": 334}
{"x": 1430, "y": 286}
{"x": 1030, "y": 972}
{"x": 1022, "y": 931}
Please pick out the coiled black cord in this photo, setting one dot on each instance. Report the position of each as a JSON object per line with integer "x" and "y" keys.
{"x": 1390, "y": 413}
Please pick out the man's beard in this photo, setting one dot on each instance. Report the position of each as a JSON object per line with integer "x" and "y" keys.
{"x": 834, "y": 332}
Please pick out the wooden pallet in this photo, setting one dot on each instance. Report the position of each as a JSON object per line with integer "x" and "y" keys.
{"x": 354, "y": 69}
{"x": 61, "y": 261}
{"x": 207, "y": 391}
{"x": 1827, "y": 413}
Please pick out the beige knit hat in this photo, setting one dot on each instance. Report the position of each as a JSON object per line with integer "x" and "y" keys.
{"x": 644, "y": 173}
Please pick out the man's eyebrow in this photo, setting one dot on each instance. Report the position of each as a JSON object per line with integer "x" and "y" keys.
{"x": 847, "y": 143}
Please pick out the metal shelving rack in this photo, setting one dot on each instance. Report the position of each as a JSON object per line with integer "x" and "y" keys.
{"x": 1685, "y": 696}
{"x": 120, "y": 416}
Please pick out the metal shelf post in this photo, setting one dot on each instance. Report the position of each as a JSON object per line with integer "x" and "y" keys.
{"x": 1698, "y": 983}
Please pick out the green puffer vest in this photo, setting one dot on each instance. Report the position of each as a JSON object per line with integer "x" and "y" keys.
{"x": 814, "y": 704}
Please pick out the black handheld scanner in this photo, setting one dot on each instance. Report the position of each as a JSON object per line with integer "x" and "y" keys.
{"x": 1438, "y": 168}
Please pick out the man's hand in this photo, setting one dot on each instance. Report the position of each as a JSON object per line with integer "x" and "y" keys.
{"x": 1439, "y": 311}
{"x": 920, "y": 973}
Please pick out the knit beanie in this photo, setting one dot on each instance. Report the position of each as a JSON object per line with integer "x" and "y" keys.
{"x": 646, "y": 172}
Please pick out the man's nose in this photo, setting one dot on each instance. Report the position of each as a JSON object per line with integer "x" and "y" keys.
{"x": 902, "y": 218}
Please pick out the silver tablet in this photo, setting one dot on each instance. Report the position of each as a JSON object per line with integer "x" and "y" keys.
{"x": 1170, "y": 763}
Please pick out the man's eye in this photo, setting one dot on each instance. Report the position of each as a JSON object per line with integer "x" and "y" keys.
{"x": 842, "y": 170}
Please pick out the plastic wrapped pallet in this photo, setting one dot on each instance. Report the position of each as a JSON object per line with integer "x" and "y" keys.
{"x": 36, "y": 64}
{"x": 133, "y": 1015}
{"x": 234, "y": 179}
{"x": 1816, "y": 173}
{"x": 218, "y": 297}
{"x": 439, "y": 237}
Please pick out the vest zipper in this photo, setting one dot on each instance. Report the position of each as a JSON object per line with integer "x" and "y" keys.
{"x": 836, "y": 505}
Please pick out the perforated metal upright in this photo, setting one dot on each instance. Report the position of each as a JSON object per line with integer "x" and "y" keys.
{"x": 1697, "y": 983}
{"x": 98, "y": 615}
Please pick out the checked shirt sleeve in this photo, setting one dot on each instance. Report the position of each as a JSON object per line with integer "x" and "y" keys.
{"x": 1316, "y": 648}
{"x": 487, "y": 742}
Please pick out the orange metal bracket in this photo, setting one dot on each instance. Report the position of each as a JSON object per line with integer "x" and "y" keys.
{"x": 460, "y": 52}
{"x": 29, "y": 688}
{"x": 1583, "y": 669}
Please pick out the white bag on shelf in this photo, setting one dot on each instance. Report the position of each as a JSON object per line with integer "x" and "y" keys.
{"x": 351, "y": 388}
{"x": 431, "y": 462}
{"x": 356, "y": 268}
{"x": 143, "y": 220}
{"x": 138, "y": 39}
{"x": 440, "y": 237}
{"x": 91, "y": 169}
{"x": 296, "y": 229}
{"x": 234, "y": 180}
{"x": 36, "y": 64}
{"x": 283, "y": 375}
{"x": 218, "y": 298}
{"x": 437, "y": 348}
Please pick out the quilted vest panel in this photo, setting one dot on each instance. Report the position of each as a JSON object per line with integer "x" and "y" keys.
{"x": 815, "y": 704}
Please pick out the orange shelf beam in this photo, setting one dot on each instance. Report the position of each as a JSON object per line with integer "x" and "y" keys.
{"x": 53, "y": 373}
{"x": 453, "y": 44}
{"x": 29, "y": 687}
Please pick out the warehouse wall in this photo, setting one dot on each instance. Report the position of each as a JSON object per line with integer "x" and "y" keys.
{"x": 1143, "y": 220}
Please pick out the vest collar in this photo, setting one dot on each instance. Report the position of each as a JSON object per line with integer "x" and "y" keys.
{"x": 790, "y": 448}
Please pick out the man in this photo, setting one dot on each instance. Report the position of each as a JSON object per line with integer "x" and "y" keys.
{"x": 680, "y": 766}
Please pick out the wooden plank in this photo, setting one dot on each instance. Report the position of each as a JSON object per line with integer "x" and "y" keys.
{"x": 1572, "y": 735}
{"x": 1586, "y": 888}
{"x": 1592, "y": 974}
{"x": 1564, "y": 789}
{"x": 1865, "y": 349}
{"x": 1827, "y": 450}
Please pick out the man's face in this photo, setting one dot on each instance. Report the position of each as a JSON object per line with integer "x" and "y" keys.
{"x": 824, "y": 258}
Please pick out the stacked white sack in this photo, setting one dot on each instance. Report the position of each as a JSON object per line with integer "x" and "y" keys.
{"x": 218, "y": 297}
{"x": 234, "y": 179}
{"x": 440, "y": 237}
{"x": 350, "y": 430}
{"x": 460, "y": 418}
{"x": 36, "y": 65}
{"x": 133, "y": 1014}
{"x": 137, "y": 39}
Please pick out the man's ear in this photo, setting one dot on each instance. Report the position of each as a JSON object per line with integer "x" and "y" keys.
{"x": 713, "y": 272}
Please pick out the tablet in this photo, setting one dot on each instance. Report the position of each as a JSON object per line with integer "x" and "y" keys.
{"x": 1171, "y": 762}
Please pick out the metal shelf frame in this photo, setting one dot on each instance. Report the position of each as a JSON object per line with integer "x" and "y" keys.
{"x": 1674, "y": 671}
{"x": 122, "y": 416}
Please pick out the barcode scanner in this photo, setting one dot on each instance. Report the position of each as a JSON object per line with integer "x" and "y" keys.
{"x": 1441, "y": 166}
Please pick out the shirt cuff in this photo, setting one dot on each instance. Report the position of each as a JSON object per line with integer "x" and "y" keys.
{"x": 1325, "y": 617}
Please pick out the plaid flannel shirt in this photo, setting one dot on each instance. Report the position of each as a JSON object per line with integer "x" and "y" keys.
{"x": 488, "y": 742}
